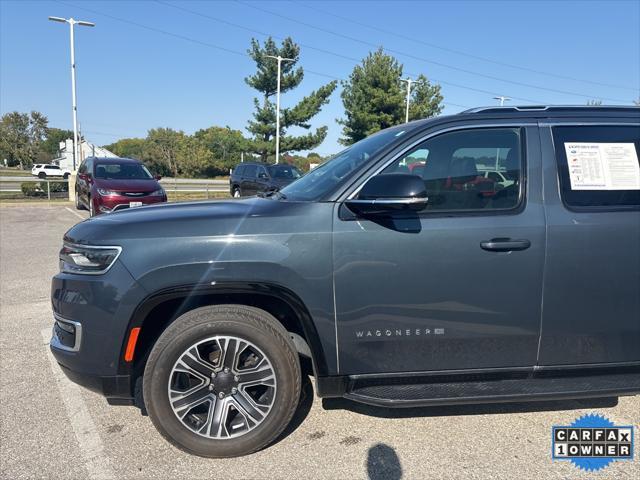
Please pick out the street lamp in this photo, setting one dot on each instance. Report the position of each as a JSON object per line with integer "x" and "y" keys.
{"x": 409, "y": 82}
{"x": 280, "y": 60}
{"x": 72, "y": 22}
{"x": 502, "y": 99}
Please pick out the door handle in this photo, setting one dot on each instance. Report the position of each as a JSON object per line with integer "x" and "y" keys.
{"x": 504, "y": 245}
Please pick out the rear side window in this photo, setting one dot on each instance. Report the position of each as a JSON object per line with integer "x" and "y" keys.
{"x": 52, "y": 167}
{"x": 250, "y": 171}
{"x": 239, "y": 169}
{"x": 598, "y": 166}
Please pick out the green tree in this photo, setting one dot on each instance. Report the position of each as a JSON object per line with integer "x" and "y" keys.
{"x": 128, "y": 148}
{"x": 226, "y": 146}
{"x": 160, "y": 152}
{"x": 263, "y": 125}
{"x": 21, "y": 137}
{"x": 51, "y": 145}
{"x": 374, "y": 98}
{"x": 193, "y": 157}
{"x": 426, "y": 99}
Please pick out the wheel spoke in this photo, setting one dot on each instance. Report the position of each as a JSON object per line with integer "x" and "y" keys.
{"x": 248, "y": 407}
{"x": 193, "y": 363}
{"x": 219, "y": 415}
{"x": 181, "y": 400}
{"x": 231, "y": 350}
{"x": 263, "y": 376}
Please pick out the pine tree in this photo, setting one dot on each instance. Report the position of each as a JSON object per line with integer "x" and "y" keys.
{"x": 374, "y": 98}
{"x": 263, "y": 125}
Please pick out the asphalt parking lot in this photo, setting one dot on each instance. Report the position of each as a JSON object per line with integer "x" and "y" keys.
{"x": 50, "y": 428}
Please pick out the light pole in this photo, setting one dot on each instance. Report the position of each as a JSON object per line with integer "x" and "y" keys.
{"x": 409, "y": 82}
{"x": 280, "y": 60}
{"x": 502, "y": 99}
{"x": 72, "y": 22}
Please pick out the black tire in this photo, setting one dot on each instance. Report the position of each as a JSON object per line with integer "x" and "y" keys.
{"x": 65, "y": 176}
{"x": 247, "y": 323}
{"x": 42, "y": 175}
{"x": 236, "y": 192}
{"x": 79, "y": 205}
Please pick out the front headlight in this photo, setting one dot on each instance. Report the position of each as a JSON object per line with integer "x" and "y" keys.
{"x": 107, "y": 193}
{"x": 91, "y": 260}
{"x": 158, "y": 193}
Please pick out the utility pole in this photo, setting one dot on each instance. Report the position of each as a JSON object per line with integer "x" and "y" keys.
{"x": 72, "y": 22}
{"x": 409, "y": 82}
{"x": 280, "y": 60}
{"x": 502, "y": 99}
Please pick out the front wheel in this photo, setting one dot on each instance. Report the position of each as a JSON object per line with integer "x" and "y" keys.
{"x": 222, "y": 381}
{"x": 42, "y": 175}
{"x": 236, "y": 193}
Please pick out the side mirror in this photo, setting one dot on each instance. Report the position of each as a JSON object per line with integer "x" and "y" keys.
{"x": 262, "y": 175}
{"x": 158, "y": 177}
{"x": 390, "y": 192}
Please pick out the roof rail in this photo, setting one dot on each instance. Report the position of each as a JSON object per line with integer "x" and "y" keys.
{"x": 548, "y": 108}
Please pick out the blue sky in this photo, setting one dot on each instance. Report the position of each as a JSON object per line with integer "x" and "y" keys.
{"x": 149, "y": 65}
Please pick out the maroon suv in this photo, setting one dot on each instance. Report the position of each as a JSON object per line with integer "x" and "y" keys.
{"x": 106, "y": 185}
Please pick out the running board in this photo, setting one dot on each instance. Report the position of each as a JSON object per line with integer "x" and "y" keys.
{"x": 428, "y": 391}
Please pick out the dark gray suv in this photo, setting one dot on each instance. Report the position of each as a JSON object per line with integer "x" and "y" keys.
{"x": 488, "y": 256}
{"x": 251, "y": 178}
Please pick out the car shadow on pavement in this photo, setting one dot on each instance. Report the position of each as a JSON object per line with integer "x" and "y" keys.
{"x": 383, "y": 463}
{"x": 480, "y": 409}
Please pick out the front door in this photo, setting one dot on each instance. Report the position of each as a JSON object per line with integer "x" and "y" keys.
{"x": 441, "y": 289}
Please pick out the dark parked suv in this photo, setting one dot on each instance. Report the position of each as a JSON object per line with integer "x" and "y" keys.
{"x": 256, "y": 178}
{"x": 437, "y": 284}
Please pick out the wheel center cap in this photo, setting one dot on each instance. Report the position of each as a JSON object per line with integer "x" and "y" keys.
{"x": 224, "y": 382}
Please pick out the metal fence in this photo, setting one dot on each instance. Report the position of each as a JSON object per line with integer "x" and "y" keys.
{"x": 58, "y": 188}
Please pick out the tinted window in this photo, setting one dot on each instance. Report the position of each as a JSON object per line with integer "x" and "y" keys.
{"x": 284, "y": 171}
{"x": 598, "y": 165}
{"x": 238, "y": 170}
{"x": 250, "y": 171}
{"x": 455, "y": 168}
{"x": 262, "y": 172}
{"x": 83, "y": 167}
{"x": 52, "y": 167}
{"x": 122, "y": 171}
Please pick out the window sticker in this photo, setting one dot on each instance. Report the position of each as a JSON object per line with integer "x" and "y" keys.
{"x": 603, "y": 166}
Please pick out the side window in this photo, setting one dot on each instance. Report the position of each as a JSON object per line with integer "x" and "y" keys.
{"x": 89, "y": 167}
{"x": 83, "y": 167}
{"x": 239, "y": 169}
{"x": 478, "y": 169}
{"x": 250, "y": 171}
{"x": 262, "y": 172}
{"x": 598, "y": 166}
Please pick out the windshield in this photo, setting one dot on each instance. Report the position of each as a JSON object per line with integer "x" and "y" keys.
{"x": 284, "y": 171}
{"x": 122, "y": 171}
{"x": 333, "y": 173}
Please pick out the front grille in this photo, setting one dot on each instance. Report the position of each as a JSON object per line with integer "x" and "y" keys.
{"x": 135, "y": 194}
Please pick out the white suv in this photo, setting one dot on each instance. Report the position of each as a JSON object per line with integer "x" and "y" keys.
{"x": 48, "y": 170}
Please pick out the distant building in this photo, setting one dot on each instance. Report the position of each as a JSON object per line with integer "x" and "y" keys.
{"x": 87, "y": 149}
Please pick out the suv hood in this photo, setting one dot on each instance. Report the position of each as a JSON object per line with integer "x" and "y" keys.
{"x": 255, "y": 216}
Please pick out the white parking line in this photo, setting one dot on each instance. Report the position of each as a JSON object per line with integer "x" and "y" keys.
{"x": 75, "y": 213}
{"x": 91, "y": 449}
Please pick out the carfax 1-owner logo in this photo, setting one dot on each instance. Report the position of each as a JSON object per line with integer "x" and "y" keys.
{"x": 592, "y": 442}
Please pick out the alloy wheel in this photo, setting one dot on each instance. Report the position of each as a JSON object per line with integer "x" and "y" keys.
{"x": 222, "y": 387}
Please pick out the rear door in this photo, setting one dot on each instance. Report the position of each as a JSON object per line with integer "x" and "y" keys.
{"x": 248, "y": 183}
{"x": 434, "y": 290}
{"x": 592, "y": 282}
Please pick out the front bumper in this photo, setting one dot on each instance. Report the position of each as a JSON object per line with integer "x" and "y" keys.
{"x": 114, "y": 203}
{"x": 99, "y": 308}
